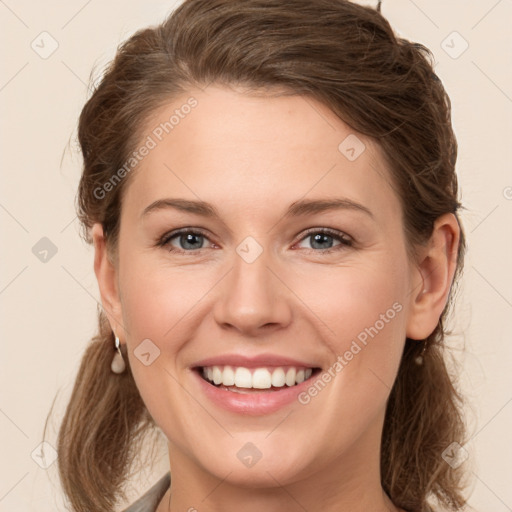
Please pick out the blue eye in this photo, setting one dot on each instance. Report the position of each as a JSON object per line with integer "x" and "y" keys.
{"x": 188, "y": 240}
{"x": 322, "y": 236}
{"x": 192, "y": 240}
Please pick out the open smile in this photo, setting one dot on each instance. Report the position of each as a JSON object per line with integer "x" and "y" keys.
{"x": 251, "y": 389}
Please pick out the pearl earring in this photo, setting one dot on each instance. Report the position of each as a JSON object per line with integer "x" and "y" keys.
{"x": 118, "y": 365}
{"x": 419, "y": 359}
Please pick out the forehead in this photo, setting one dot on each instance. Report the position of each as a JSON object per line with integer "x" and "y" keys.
{"x": 246, "y": 152}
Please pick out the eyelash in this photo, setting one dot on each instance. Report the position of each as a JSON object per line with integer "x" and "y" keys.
{"x": 345, "y": 240}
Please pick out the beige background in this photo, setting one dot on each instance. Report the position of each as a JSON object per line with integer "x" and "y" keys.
{"x": 48, "y": 309}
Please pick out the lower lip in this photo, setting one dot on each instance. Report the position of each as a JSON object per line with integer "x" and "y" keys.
{"x": 253, "y": 402}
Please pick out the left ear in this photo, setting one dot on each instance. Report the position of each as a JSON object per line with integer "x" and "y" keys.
{"x": 432, "y": 277}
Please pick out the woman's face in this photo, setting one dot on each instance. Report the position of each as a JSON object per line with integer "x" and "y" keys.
{"x": 264, "y": 279}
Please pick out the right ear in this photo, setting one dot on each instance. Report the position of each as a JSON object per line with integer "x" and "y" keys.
{"x": 106, "y": 274}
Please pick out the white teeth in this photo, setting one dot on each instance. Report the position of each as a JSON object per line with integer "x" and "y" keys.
{"x": 217, "y": 375}
{"x": 278, "y": 378}
{"x": 228, "y": 378}
{"x": 243, "y": 378}
{"x": 259, "y": 378}
{"x": 290, "y": 377}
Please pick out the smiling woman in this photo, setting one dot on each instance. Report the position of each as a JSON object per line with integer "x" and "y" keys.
{"x": 275, "y": 268}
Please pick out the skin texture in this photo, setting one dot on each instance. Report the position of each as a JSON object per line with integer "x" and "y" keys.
{"x": 251, "y": 156}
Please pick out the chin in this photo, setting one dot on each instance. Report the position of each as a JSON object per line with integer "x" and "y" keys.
{"x": 246, "y": 466}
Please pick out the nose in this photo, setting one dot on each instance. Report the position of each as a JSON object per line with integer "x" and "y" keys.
{"x": 253, "y": 300}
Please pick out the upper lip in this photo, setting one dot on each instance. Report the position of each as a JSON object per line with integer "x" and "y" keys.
{"x": 253, "y": 361}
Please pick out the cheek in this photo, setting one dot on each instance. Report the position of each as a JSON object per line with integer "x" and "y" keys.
{"x": 365, "y": 314}
{"x": 351, "y": 300}
{"x": 370, "y": 309}
{"x": 155, "y": 303}
{"x": 362, "y": 312}
{"x": 160, "y": 307}
{"x": 157, "y": 298}
{"x": 152, "y": 306}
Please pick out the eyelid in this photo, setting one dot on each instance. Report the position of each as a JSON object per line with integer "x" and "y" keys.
{"x": 167, "y": 237}
{"x": 344, "y": 239}
{"x": 328, "y": 231}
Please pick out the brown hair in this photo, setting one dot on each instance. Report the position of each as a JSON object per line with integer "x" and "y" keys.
{"x": 347, "y": 57}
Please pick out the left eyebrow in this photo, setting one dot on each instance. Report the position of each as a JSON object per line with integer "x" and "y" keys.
{"x": 296, "y": 209}
{"x": 312, "y": 206}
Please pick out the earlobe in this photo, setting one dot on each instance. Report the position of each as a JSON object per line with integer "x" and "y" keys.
{"x": 432, "y": 278}
{"x": 106, "y": 276}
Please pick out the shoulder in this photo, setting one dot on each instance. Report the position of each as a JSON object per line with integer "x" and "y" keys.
{"x": 150, "y": 500}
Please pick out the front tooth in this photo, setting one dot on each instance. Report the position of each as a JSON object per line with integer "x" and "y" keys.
{"x": 228, "y": 377}
{"x": 217, "y": 375}
{"x": 243, "y": 378}
{"x": 299, "y": 377}
{"x": 261, "y": 379}
{"x": 278, "y": 378}
{"x": 290, "y": 377}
